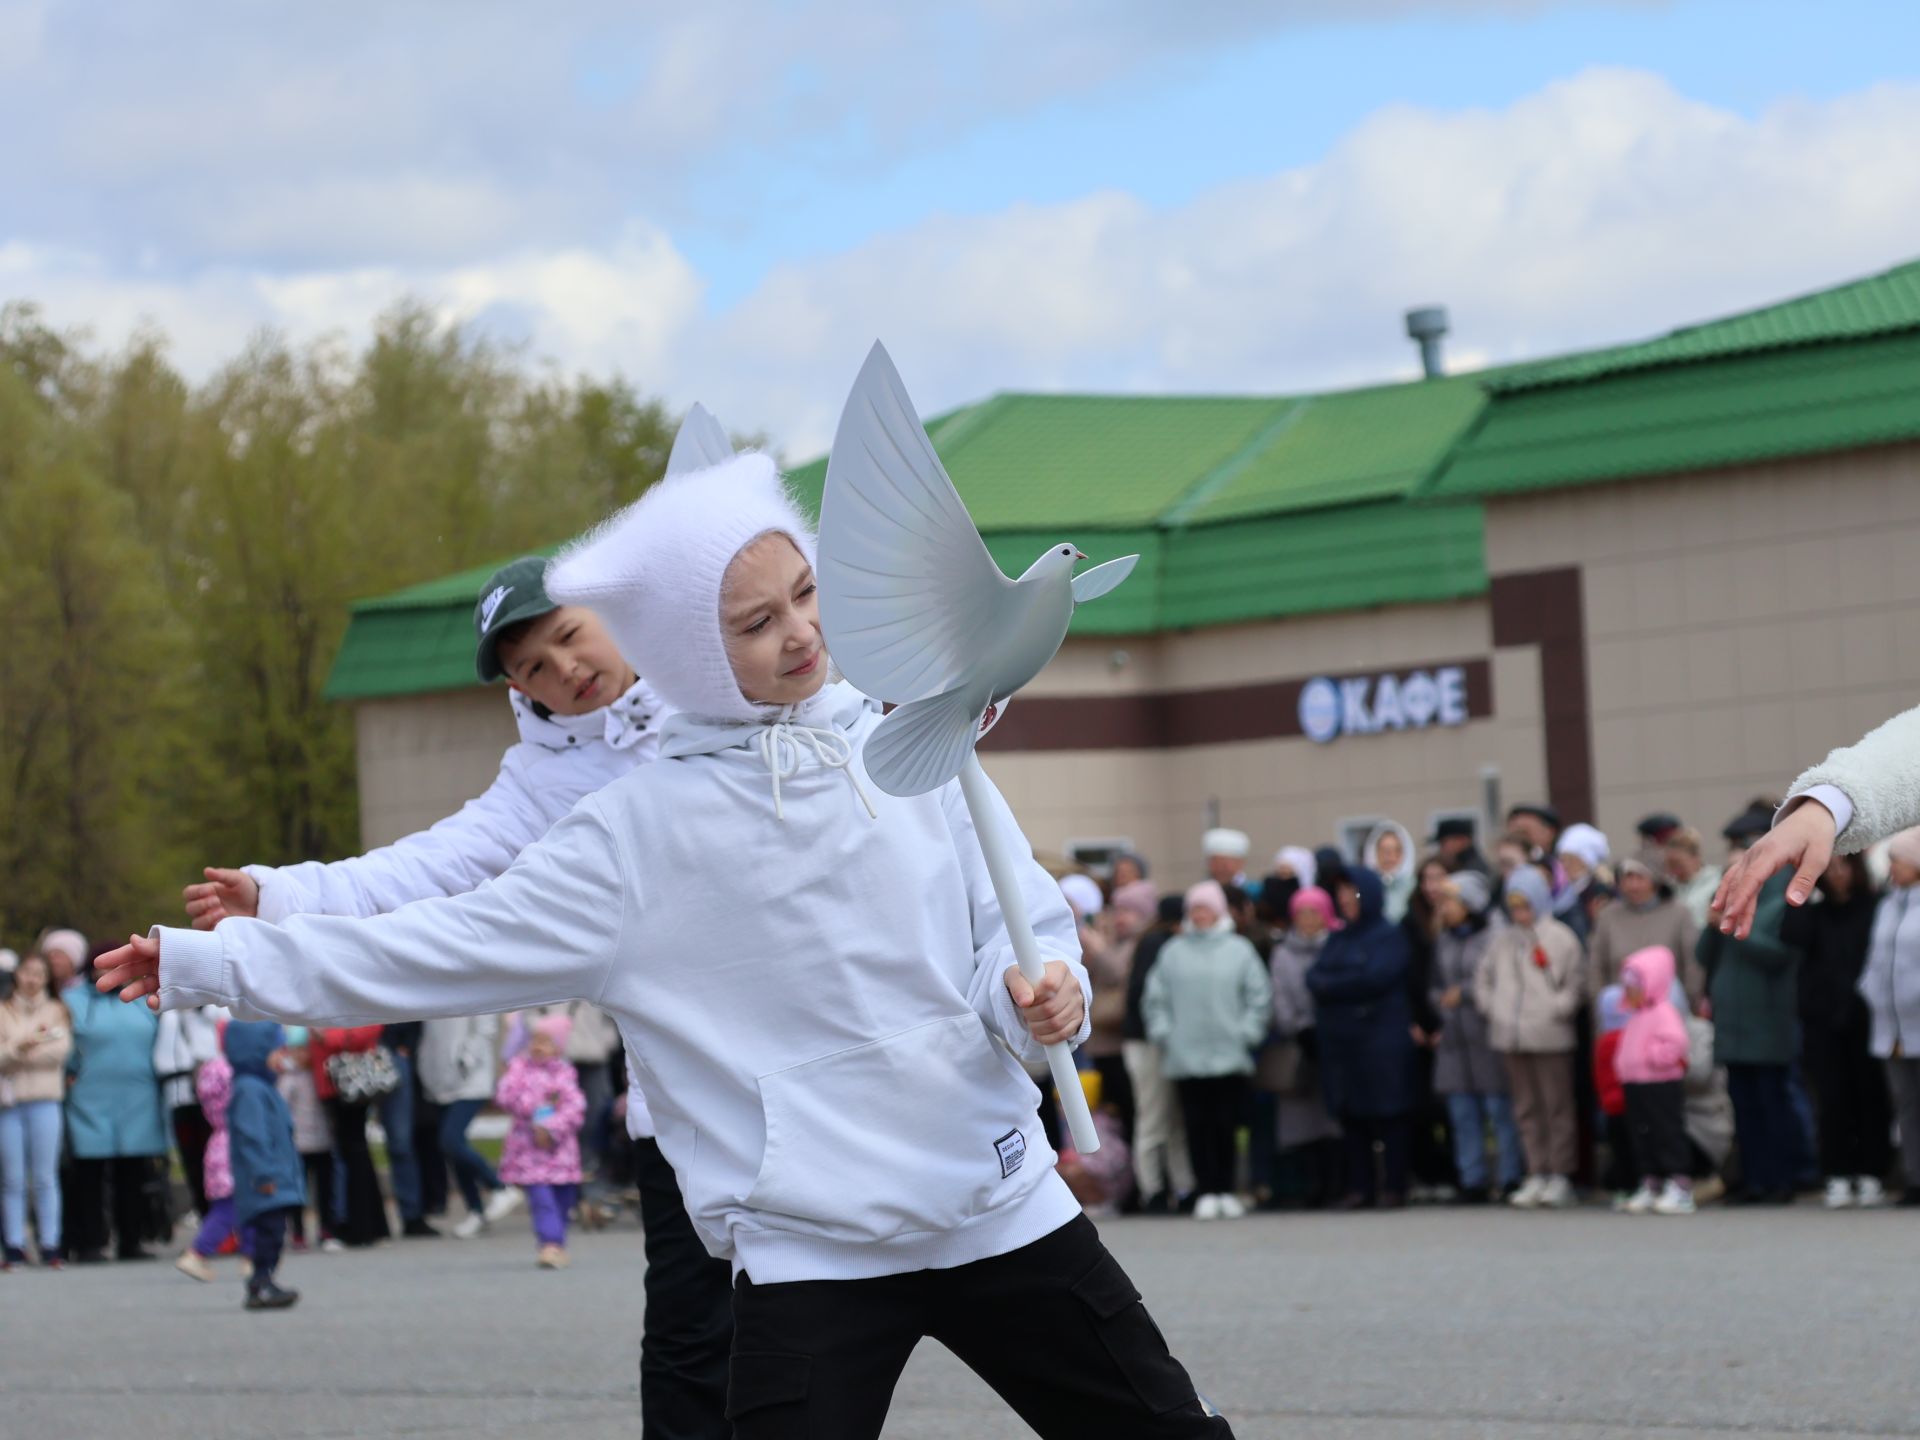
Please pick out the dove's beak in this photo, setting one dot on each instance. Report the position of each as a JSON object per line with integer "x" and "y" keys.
{"x": 1078, "y": 556}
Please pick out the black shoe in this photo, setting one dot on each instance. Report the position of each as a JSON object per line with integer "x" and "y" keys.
{"x": 418, "y": 1229}
{"x": 1158, "y": 1203}
{"x": 1909, "y": 1198}
{"x": 135, "y": 1254}
{"x": 1473, "y": 1195}
{"x": 13, "y": 1256}
{"x": 89, "y": 1257}
{"x": 1778, "y": 1197}
{"x": 269, "y": 1296}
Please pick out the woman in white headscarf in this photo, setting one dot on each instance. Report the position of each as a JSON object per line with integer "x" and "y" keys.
{"x": 1389, "y": 854}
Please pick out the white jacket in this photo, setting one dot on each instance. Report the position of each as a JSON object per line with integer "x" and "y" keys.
{"x": 1890, "y": 980}
{"x": 559, "y": 759}
{"x": 184, "y": 1041}
{"x": 815, "y": 1003}
{"x": 1878, "y": 781}
{"x": 460, "y": 1059}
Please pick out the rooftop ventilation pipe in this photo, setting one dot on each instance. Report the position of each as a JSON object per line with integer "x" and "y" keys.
{"x": 1427, "y": 326}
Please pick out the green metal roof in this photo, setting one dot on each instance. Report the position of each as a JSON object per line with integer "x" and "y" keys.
{"x": 1338, "y": 449}
{"x": 1878, "y": 305}
{"x": 1832, "y": 371}
{"x": 1240, "y": 508}
{"x": 1251, "y": 507}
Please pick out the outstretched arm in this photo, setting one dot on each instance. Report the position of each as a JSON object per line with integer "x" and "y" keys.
{"x": 1859, "y": 794}
{"x": 547, "y": 930}
{"x": 474, "y": 844}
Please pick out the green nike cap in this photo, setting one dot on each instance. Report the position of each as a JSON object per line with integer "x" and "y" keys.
{"x": 514, "y": 592}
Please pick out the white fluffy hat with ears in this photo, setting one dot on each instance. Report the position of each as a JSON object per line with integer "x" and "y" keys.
{"x": 653, "y": 573}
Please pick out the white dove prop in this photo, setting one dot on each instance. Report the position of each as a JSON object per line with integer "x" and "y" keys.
{"x": 915, "y": 612}
{"x": 700, "y": 443}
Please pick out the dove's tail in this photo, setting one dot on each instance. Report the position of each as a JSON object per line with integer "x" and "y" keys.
{"x": 923, "y": 744}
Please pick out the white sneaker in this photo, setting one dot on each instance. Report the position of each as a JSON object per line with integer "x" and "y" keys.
{"x": 194, "y": 1266}
{"x": 1641, "y": 1201}
{"x": 1674, "y": 1200}
{"x": 1527, "y": 1197}
{"x": 471, "y": 1226}
{"x": 1558, "y": 1194}
{"x": 332, "y": 1246}
{"x": 1231, "y": 1208}
{"x": 503, "y": 1202}
{"x": 1873, "y": 1195}
{"x": 1207, "y": 1207}
{"x": 1839, "y": 1194}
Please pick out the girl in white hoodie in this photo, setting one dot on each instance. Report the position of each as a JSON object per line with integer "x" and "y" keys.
{"x": 833, "y": 1051}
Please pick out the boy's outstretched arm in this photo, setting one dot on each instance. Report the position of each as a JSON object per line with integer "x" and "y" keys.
{"x": 451, "y": 857}
{"x": 547, "y": 930}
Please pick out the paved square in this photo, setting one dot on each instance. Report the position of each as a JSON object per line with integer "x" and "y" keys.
{"x": 1429, "y": 1325}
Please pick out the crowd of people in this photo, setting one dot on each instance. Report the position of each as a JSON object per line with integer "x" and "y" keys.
{"x": 1378, "y": 1030}
{"x": 1558, "y": 1021}
{"x": 102, "y": 1105}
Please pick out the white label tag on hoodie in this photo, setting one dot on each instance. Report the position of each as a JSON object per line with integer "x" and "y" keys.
{"x": 1012, "y": 1148}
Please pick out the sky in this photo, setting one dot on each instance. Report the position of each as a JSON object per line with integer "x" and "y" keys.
{"x": 730, "y": 201}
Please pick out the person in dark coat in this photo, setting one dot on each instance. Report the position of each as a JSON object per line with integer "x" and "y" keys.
{"x": 1754, "y": 985}
{"x": 1458, "y": 848}
{"x": 1365, "y": 1023}
{"x": 1430, "y": 1142}
{"x": 268, "y": 1176}
{"x": 1849, "y": 1088}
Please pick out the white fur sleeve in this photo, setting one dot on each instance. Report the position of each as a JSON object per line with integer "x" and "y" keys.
{"x": 1880, "y": 776}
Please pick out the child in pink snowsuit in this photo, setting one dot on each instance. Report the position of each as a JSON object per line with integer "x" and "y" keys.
{"x": 1652, "y": 1065}
{"x": 213, "y": 1085}
{"x": 542, "y": 1155}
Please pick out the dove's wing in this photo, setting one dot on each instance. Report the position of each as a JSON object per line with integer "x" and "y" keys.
{"x": 922, "y": 745}
{"x": 908, "y": 593}
{"x": 700, "y": 444}
{"x": 1092, "y": 584}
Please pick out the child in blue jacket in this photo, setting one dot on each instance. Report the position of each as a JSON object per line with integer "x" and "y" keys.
{"x": 268, "y": 1183}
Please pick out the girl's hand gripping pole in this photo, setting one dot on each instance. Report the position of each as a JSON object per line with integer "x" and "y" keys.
{"x": 1002, "y": 870}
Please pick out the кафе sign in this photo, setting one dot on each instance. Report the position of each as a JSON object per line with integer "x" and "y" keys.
{"x": 1374, "y": 704}
{"x": 1318, "y": 707}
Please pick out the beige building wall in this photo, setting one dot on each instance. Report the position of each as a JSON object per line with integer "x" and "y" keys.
{"x": 1280, "y": 791}
{"x": 424, "y": 756}
{"x": 1740, "y": 622}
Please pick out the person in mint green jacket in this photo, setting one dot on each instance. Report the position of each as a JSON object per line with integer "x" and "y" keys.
{"x": 1208, "y": 1006}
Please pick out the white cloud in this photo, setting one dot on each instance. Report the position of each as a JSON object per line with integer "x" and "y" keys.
{"x": 1605, "y": 207}
{"x": 288, "y": 136}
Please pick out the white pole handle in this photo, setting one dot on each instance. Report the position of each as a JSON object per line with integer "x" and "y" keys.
{"x": 1002, "y": 870}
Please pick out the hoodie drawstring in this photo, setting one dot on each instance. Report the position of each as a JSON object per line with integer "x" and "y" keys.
{"x": 781, "y": 749}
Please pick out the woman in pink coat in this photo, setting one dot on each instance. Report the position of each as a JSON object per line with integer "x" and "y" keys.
{"x": 1652, "y": 1065}
{"x": 542, "y": 1156}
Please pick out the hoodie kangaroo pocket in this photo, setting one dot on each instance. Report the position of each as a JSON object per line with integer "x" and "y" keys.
{"x": 917, "y": 1132}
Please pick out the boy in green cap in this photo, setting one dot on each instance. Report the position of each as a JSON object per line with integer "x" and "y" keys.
{"x": 585, "y": 719}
